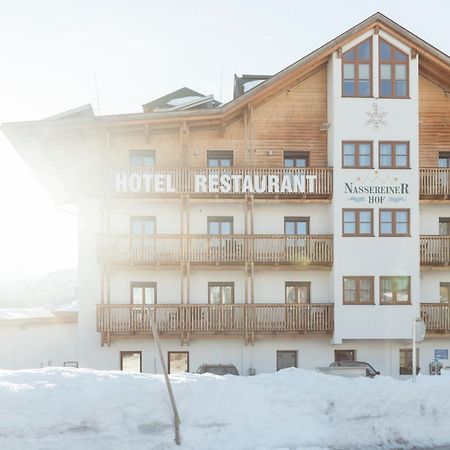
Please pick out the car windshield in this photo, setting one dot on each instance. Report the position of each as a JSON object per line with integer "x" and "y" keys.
{"x": 221, "y": 370}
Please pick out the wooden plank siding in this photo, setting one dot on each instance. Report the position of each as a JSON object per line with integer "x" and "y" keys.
{"x": 434, "y": 125}
{"x": 291, "y": 121}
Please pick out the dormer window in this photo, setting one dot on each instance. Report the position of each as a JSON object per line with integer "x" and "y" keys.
{"x": 357, "y": 70}
{"x": 393, "y": 71}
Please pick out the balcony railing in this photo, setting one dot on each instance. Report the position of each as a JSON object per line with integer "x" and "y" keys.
{"x": 435, "y": 250}
{"x": 435, "y": 182}
{"x": 436, "y": 317}
{"x": 125, "y": 319}
{"x": 261, "y": 249}
{"x": 129, "y": 181}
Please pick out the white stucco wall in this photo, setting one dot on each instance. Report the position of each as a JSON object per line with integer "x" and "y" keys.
{"x": 376, "y": 255}
{"x": 30, "y": 346}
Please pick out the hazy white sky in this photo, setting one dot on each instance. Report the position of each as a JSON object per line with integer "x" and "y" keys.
{"x": 53, "y": 51}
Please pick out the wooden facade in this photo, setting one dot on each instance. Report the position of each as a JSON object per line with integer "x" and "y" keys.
{"x": 434, "y": 117}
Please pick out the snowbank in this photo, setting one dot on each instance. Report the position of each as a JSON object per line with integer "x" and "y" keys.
{"x": 69, "y": 409}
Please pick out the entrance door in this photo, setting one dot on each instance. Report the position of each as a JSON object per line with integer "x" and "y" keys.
{"x": 142, "y": 294}
{"x": 297, "y": 293}
{"x": 286, "y": 359}
{"x": 143, "y": 243}
{"x": 444, "y": 163}
{"x": 221, "y": 248}
{"x": 221, "y": 300}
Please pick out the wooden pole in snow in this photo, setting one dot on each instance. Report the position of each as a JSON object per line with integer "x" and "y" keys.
{"x": 166, "y": 377}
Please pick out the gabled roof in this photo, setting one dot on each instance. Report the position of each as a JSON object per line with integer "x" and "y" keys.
{"x": 84, "y": 111}
{"x": 433, "y": 63}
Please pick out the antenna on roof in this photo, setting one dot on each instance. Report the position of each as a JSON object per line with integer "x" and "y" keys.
{"x": 221, "y": 83}
{"x": 97, "y": 95}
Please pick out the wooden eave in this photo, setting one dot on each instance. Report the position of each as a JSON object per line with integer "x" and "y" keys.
{"x": 434, "y": 65}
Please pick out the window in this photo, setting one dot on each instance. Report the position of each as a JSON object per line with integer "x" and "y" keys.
{"x": 286, "y": 359}
{"x": 344, "y": 355}
{"x": 220, "y": 225}
{"x": 143, "y": 225}
{"x": 444, "y": 160}
{"x": 393, "y": 71}
{"x": 142, "y": 158}
{"x": 394, "y": 222}
{"x": 296, "y": 159}
{"x": 296, "y": 226}
{"x": 178, "y": 362}
{"x": 220, "y": 158}
{"x": 220, "y": 293}
{"x": 357, "y": 222}
{"x": 357, "y": 70}
{"x": 444, "y": 226}
{"x": 131, "y": 361}
{"x": 395, "y": 290}
{"x": 444, "y": 292}
{"x": 297, "y": 292}
{"x": 406, "y": 361}
{"x": 357, "y": 155}
{"x": 394, "y": 155}
{"x": 142, "y": 293}
{"x": 358, "y": 290}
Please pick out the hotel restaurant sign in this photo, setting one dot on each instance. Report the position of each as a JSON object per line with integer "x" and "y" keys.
{"x": 219, "y": 183}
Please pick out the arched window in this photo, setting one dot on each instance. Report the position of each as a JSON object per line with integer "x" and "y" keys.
{"x": 393, "y": 71}
{"x": 357, "y": 70}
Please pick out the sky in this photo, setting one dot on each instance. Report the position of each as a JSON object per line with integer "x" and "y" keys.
{"x": 118, "y": 55}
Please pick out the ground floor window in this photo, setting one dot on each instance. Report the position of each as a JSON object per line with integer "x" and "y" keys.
{"x": 286, "y": 358}
{"x": 406, "y": 356}
{"x": 131, "y": 361}
{"x": 344, "y": 355}
{"x": 178, "y": 362}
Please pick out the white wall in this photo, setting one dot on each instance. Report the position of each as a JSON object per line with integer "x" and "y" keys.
{"x": 374, "y": 255}
{"x": 29, "y": 346}
{"x": 429, "y": 217}
{"x": 429, "y": 284}
{"x": 312, "y": 352}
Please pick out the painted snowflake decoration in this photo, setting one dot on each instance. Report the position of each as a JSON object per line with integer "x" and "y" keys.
{"x": 375, "y": 117}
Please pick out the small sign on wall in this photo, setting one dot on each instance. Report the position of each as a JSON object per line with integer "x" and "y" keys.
{"x": 441, "y": 354}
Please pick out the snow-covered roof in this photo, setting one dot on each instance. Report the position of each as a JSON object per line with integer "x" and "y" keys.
{"x": 245, "y": 83}
{"x": 181, "y": 99}
{"x": 22, "y": 316}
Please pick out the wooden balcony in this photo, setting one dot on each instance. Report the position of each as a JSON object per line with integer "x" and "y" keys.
{"x": 435, "y": 250}
{"x": 435, "y": 183}
{"x": 185, "y": 321}
{"x": 198, "y": 249}
{"x": 436, "y": 317}
{"x": 129, "y": 181}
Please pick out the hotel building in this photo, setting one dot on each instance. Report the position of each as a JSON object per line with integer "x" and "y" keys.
{"x": 303, "y": 222}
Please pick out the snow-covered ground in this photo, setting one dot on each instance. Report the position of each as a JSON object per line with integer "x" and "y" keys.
{"x": 57, "y": 408}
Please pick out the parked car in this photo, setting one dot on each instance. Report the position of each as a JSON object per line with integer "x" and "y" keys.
{"x": 370, "y": 371}
{"x": 218, "y": 369}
